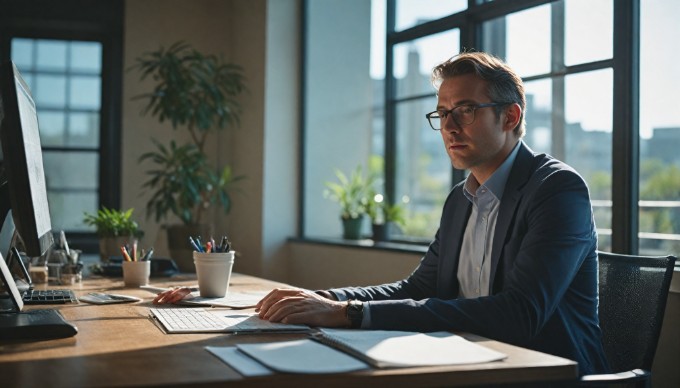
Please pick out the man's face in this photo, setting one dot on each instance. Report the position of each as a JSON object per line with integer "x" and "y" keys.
{"x": 485, "y": 143}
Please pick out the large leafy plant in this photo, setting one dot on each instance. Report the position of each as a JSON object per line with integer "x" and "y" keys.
{"x": 197, "y": 92}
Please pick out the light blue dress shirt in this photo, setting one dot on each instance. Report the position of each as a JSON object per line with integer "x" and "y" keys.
{"x": 474, "y": 265}
{"x": 475, "y": 256}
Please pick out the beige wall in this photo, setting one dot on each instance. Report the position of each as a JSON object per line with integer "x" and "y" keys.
{"x": 263, "y": 38}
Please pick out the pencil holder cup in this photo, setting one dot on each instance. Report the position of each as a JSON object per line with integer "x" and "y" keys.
{"x": 213, "y": 271}
{"x": 136, "y": 273}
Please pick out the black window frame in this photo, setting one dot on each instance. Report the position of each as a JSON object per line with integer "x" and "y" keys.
{"x": 83, "y": 21}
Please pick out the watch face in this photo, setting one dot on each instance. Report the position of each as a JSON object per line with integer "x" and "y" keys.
{"x": 355, "y": 313}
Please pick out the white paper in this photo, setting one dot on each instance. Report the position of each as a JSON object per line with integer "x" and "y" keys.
{"x": 302, "y": 356}
{"x": 402, "y": 349}
{"x": 235, "y": 300}
{"x": 243, "y": 364}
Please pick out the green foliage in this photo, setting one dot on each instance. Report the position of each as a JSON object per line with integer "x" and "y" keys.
{"x": 113, "y": 223}
{"x": 192, "y": 89}
{"x": 382, "y": 211}
{"x": 185, "y": 184}
{"x": 353, "y": 193}
{"x": 198, "y": 92}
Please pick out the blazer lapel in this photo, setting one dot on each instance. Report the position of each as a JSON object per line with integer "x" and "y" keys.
{"x": 450, "y": 249}
{"x": 519, "y": 175}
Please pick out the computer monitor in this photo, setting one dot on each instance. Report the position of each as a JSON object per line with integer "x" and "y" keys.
{"x": 23, "y": 193}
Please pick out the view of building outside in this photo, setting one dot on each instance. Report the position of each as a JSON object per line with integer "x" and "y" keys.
{"x": 659, "y": 209}
{"x": 569, "y": 115}
{"x": 65, "y": 81}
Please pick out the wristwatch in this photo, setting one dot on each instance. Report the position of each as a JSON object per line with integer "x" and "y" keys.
{"x": 355, "y": 313}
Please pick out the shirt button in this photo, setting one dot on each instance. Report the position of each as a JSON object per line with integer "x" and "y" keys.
{"x": 477, "y": 269}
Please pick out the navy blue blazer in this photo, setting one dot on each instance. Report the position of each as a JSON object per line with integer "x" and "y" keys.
{"x": 544, "y": 271}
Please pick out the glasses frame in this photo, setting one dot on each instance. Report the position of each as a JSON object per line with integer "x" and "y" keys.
{"x": 448, "y": 112}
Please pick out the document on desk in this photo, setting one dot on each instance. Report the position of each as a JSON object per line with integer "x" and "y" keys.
{"x": 234, "y": 300}
{"x": 390, "y": 349}
{"x": 343, "y": 350}
{"x": 302, "y": 356}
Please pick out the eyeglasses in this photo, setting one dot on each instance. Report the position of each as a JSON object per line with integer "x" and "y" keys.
{"x": 461, "y": 114}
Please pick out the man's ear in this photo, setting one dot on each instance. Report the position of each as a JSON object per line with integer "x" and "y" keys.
{"x": 513, "y": 113}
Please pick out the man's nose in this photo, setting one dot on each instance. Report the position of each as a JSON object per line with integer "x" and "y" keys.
{"x": 449, "y": 124}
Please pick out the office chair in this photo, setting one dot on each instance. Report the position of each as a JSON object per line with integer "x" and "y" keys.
{"x": 633, "y": 293}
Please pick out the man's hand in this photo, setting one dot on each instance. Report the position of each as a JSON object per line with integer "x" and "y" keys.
{"x": 172, "y": 295}
{"x": 300, "y": 306}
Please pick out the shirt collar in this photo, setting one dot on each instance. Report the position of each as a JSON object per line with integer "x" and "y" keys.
{"x": 497, "y": 180}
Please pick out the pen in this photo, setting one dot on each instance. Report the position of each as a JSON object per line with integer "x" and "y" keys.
{"x": 134, "y": 251}
{"x": 148, "y": 255}
{"x": 125, "y": 254}
{"x": 194, "y": 245}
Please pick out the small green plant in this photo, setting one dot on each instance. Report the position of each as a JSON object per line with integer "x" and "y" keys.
{"x": 353, "y": 193}
{"x": 382, "y": 211}
{"x": 113, "y": 223}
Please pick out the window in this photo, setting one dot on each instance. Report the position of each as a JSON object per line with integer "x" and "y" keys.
{"x": 579, "y": 61}
{"x": 565, "y": 70}
{"x": 659, "y": 210}
{"x": 70, "y": 54}
{"x": 65, "y": 80}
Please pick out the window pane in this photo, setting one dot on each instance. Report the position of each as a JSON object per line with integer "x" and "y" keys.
{"x": 411, "y": 13}
{"x": 588, "y": 31}
{"x": 51, "y": 55}
{"x": 588, "y": 140}
{"x": 522, "y": 39}
{"x": 85, "y": 92}
{"x": 538, "y": 116}
{"x": 83, "y": 129}
{"x": 67, "y": 208}
{"x": 423, "y": 171}
{"x": 339, "y": 104}
{"x": 86, "y": 56}
{"x": 52, "y": 127}
{"x": 414, "y": 61}
{"x": 49, "y": 91}
{"x": 22, "y": 53}
{"x": 659, "y": 231}
{"x": 71, "y": 170}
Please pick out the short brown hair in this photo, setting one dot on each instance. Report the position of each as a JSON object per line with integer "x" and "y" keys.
{"x": 503, "y": 84}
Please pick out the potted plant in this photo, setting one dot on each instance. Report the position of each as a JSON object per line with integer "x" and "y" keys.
{"x": 197, "y": 92}
{"x": 353, "y": 193}
{"x": 114, "y": 228}
{"x": 386, "y": 218}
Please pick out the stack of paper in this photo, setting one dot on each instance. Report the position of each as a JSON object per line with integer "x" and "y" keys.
{"x": 340, "y": 350}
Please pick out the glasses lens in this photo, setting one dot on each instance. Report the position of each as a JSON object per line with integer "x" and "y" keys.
{"x": 435, "y": 120}
{"x": 464, "y": 114}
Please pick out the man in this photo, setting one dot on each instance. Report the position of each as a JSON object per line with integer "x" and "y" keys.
{"x": 514, "y": 258}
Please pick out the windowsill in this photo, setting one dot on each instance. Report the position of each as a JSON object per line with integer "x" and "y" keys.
{"x": 412, "y": 248}
{"x": 363, "y": 244}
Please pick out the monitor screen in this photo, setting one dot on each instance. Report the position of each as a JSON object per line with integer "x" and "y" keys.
{"x": 24, "y": 178}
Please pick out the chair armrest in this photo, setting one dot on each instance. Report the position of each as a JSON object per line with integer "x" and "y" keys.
{"x": 620, "y": 377}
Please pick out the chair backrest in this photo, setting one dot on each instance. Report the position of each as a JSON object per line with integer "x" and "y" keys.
{"x": 633, "y": 293}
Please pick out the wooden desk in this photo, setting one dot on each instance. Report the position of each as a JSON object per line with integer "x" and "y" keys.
{"x": 118, "y": 345}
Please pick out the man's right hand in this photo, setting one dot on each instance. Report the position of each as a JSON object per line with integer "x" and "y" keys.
{"x": 172, "y": 295}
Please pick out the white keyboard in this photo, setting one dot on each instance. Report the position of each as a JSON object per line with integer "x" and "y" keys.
{"x": 200, "y": 320}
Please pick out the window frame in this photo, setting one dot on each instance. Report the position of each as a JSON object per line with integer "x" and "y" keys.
{"x": 625, "y": 66}
{"x": 83, "y": 21}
